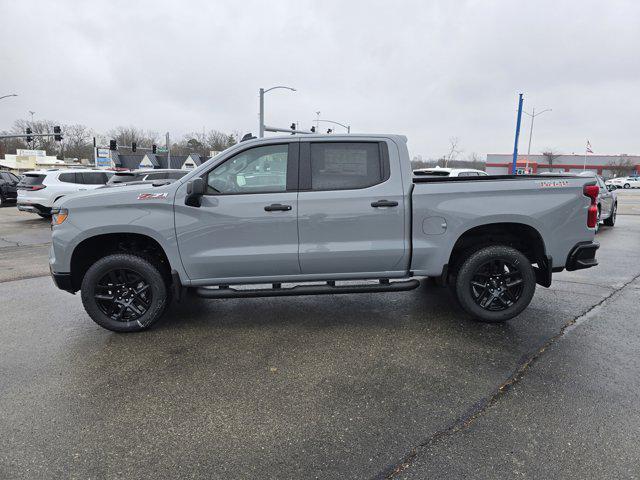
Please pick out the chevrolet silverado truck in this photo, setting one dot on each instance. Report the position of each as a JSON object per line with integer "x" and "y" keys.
{"x": 308, "y": 215}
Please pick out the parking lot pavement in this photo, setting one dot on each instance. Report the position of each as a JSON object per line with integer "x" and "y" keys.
{"x": 24, "y": 244}
{"x": 629, "y": 201}
{"x": 345, "y": 386}
{"x": 575, "y": 413}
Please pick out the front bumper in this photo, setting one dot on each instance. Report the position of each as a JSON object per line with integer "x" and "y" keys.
{"x": 583, "y": 255}
{"x": 33, "y": 208}
{"x": 63, "y": 281}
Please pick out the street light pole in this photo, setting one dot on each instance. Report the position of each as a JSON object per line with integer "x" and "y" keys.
{"x": 533, "y": 116}
{"x": 348, "y": 127}
{"x": 262, "y": 91}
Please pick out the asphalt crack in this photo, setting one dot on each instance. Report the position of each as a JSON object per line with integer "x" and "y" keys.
{"x": 479, "y": 408}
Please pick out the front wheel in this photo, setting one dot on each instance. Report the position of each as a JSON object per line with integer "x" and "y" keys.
{"x": 495, "y": 284}
{"x": 626, "y": 185}
{"x": 124, "y": 293}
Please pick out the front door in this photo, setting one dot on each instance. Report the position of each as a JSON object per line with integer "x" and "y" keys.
{"x": 351, "y": 211}
{"x": 246, "y": 226}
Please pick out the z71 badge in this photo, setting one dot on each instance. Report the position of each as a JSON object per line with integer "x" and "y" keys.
{"x": 152, "y": 196}
{"x": 554, "y": 183}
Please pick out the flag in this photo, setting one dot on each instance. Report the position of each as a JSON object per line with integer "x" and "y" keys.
{"x": 588, "y": 150}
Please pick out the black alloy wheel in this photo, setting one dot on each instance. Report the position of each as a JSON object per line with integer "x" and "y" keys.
{"x": 123, "y": 295}
{"x": 496, "y": 285}
{"x": 125, "y": 292}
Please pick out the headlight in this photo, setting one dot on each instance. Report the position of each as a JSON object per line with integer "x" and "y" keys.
{"x": 58, "y": 215}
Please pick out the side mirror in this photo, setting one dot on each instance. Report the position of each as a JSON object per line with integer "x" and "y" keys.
{"x": 195, "y": 190}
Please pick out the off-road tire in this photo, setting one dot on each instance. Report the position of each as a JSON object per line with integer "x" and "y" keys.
{"x": 469, "y": 268}
{"x": 611, "y": 221}
{"x": 151, "y": 273}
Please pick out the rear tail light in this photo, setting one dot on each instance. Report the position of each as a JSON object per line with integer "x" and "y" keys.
{"x": 592, "y": 191}
{"x": 31, "y": 188}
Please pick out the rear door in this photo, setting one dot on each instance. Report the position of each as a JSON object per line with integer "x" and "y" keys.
{"x": 351, "y": 211}
{"x": 246, "y": 225}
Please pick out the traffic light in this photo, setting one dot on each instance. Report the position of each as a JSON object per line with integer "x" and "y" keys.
{"x": 293, "y": 127}
{"x": 57, "y": 133}
{"x": 154, "y": 148}
{"x": 113, "y": 145}
{"x": 29, "y": 137}
{"x": 313, "y": 129}
{"x": 134, "y": 146}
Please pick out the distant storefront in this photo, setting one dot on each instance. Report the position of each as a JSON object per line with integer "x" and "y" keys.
{"x": 606, "y": 165}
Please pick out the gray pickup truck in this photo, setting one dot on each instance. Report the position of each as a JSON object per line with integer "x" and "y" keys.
{"x": 305, "y": 215}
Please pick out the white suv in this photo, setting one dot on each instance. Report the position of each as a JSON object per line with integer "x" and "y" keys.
{"x": 40, "y": 188}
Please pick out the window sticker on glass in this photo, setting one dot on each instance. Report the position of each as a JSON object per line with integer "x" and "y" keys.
{"x": 240, "y": 180}
{"x": 346, "y": 162}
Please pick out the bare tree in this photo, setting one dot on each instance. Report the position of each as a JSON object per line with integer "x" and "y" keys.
{"x": 475, "y": 161}
{"x": 621, "y": 167}
{"x": 550, "y": 157}
{"x": 125, "y": 136}
{"x": 77, "y": 141}
{"x": 454, "y": 151}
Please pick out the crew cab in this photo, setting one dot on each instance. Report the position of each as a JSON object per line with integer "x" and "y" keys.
{"x": 318, "y": 214}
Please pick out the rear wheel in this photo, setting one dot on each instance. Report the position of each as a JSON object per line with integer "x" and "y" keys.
{"x": 611, "y": 221}
{"x": 626, "y": 185}
{"x": 124, "y": 293}
{"x": 495, "y": 283}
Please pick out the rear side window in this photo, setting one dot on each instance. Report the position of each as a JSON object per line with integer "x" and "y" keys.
{"x": 68, "y": 178}
{"x": 344, "y": 166}
{"x": 93, "y": 178}
{"x": 32, "y": 179}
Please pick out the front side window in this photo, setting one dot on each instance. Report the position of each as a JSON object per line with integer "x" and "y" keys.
{"x": 257, "y": 170}
{"x": 344, "y": 166}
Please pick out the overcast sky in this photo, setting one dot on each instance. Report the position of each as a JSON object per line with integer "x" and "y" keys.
{"x": 427, "y": 69}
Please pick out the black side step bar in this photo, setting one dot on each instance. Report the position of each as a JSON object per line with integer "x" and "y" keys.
{"x": 328, "y": 289}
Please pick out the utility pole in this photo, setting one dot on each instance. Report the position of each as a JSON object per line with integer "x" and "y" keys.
{"x": 533, "y": 116}
{"x": 318, "y": 122}
{"x": 515, "y": 145}
{"x": 168, "y": 151}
